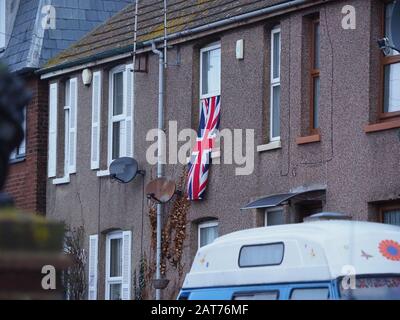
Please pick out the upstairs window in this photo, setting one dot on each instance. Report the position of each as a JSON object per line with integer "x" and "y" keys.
{"x": 19, "y": 153}
{"x": 2, "y": 24}
{"x": 315, "y": 77}
{"x": 275, "y": 85}
{"x": 210, "y": 74}
{"x": 120, "y": 129}
{"x": 391, "y": 72}
{"x": 70, "y": 126}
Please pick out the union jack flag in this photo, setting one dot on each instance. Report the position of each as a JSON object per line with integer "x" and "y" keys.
{"x": 200, "y": 161}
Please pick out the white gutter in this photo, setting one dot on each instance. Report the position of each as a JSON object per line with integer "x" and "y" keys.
{"x": 224, "y": 22}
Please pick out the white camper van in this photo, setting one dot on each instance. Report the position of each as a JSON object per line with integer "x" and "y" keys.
{"x": 325, "y": 258}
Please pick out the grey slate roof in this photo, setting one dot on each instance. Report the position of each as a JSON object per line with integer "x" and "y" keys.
{"x": 116, "y": 35}
{"x": 31, "y": 47}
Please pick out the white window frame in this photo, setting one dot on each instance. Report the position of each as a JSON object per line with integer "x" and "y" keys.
{"x": 126, "y": 118}
{"x": 20, "y": 152}
{"x": 112, "y": 280}
{"x": 275, "y": 82}
{"x": 213, "y": 46}
{"x": 68, "y": 170}
{"x": 270, "y": 210}
{"x": 205, "y": 225}
{"x": 67, "y": 93}
{"x": 119, "y": 118}
{"x": 3, "y": 24}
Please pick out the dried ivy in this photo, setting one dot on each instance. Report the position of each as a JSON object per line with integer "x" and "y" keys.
{"x": 173, "y": 233}
{"x": 74, "y": 278}
{"x": 140, "y": 283}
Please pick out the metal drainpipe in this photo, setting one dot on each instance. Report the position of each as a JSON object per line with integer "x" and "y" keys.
{"x": 160, "y": 165}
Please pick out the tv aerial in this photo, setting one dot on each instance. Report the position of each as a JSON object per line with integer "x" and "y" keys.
{"x": 161, "y": 190}
{"x": 125, "y": 169}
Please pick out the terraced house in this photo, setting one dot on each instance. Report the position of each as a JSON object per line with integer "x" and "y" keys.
{"x": 316, "y": 89}
{"x": 31, "y": 33}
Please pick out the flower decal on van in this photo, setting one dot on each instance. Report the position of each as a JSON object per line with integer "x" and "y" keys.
{"x": 390, "y": 250}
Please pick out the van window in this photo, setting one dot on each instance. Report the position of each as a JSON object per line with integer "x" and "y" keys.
{"x": 270, "y": 295}
{"x": 310, "y": 294}
{"x": 261, "y": 255}
{"x": 184, "y": 296}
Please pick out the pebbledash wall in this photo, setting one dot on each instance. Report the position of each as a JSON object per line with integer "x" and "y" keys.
{"x": 358, "y": 170}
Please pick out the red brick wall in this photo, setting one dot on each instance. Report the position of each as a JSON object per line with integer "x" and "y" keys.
{"x": 26, "y": 181}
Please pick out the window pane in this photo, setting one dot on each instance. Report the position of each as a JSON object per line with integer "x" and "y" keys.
{"x": 310, "y": 294}
{"x": 392, "y": 217}
{"x": 262, "y": 255}
{"x": 118, "y": 102}
{"x": 211, "y": 72}
{"x": 316, "y": 45}
{"x": 21, "y": 150}
{"x": 22, "y": 147}
{"x": 66, "y": 140}
{"x": 276, "y": 112}
{"x": 276, "y": 55}
{"x": 258, "y": 296}
{"x": 115, "y": 257}
{"x": 316, "y": 102}
{"x": 67, "y": 93}
{"x": 208, "y": 235}
{"x": 115, "y": 291}
{"x": 116, "y": 140}
{"x": 392, "y": 85}
{"x": 388, "y": 21}
{"x": 274, "y": 218}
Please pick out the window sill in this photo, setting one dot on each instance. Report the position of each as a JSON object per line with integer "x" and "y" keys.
{"x": 216, "y": 154}
{"x": 17, "y": 160}
{"x": 382, "y": 126}
{"x": 103, "y": 173}
{"x": 274, "y": 145}
{"x": 308, "y": 139}
{"x": 60, "y": 181}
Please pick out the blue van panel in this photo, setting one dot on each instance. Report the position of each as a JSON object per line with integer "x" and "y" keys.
{"x": 228, "y": 293}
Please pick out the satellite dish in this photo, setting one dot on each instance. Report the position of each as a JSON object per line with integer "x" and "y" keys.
{"x": 395, "y": 27}
{"x": 161, "y": 190}
{"x": 124, "y": 169}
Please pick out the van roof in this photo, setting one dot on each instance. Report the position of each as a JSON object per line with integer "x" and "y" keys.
{"x": 313, "y": 251}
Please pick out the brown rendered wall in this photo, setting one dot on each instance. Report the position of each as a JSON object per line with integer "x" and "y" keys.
{"x": 357, "y": 169}
{"x": 26, "y": 181}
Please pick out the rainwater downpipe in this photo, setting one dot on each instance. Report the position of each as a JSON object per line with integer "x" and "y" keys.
{"x": 160, "y": 156}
